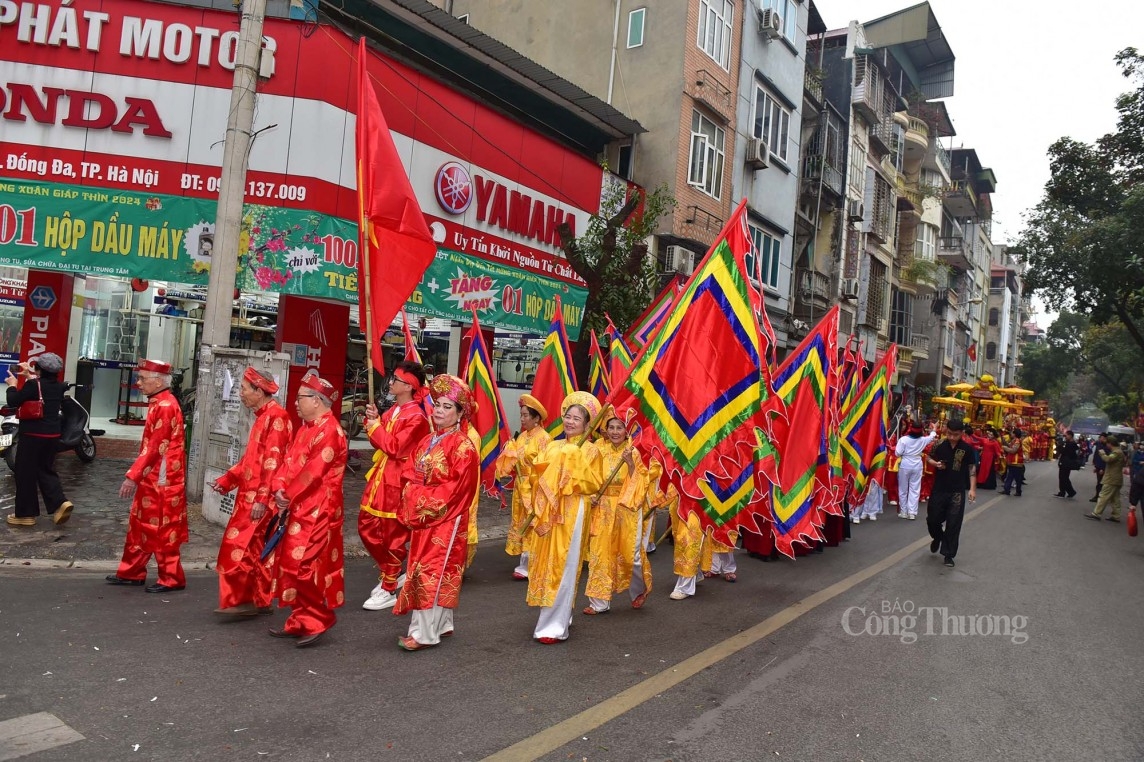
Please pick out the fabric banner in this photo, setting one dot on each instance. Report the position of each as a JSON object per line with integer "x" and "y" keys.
{"x": 124, "y": 234}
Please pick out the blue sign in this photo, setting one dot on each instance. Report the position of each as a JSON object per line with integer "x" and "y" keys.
{"x": 42, "y": 297}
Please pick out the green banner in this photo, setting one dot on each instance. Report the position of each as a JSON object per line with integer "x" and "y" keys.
{"x": 96, "y": 231}
{"x": 504, "y": 297}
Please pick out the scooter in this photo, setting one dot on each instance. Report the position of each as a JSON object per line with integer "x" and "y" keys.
{"x": 75, "y": 433}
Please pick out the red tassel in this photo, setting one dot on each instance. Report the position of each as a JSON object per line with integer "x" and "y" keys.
{"x": 1132, "y": 528}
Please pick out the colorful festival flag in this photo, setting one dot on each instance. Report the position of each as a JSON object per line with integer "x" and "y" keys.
{"x": 701, "y": 385}
{"x": 599, "y": 383}
{"x": 651, "y": 319}
{"x": 411, "y": 353}
{"x": 555, "y": 376}
{"x": 395, "y": 242}
{"x": 863, "y": 431}
{"x": 620, "y": 355}
{"x": 803, "y": 382}
{"x": 489, "y": 419}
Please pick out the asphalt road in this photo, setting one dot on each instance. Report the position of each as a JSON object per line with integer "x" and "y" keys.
{"x": 767, "y": 668}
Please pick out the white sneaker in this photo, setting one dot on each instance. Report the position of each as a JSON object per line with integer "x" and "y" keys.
{"x": 380, "y": 601}
{"x": 855, "y": 520}
{"x": 913, "y": 516}
{"x": 676, "y": 595}
{"x": 902, "y": 515}
{"x": 871, "y": 518}
{"x": 376, "y": 590}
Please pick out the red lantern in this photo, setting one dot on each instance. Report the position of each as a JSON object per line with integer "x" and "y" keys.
{"x": 138, "y": 284}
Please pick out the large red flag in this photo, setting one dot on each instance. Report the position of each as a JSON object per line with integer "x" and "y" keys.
{"x": 396, "y": 245}
{"x": 863, "y": 431}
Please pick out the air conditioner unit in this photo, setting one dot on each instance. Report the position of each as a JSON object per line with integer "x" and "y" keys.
{"x": 849, "y": 288}
{"x": 758, "y": 153}
{"x": 770, "y": 23}
{"x": 677, "y": 259}
{"x": 855, "y": 211}
{"x": 883, "y": 325}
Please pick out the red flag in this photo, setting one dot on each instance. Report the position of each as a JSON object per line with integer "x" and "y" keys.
{"x": 488, "y": 420}
{"x": 971, "y": 353}
{"x": 411, "y": 353}
{"x": 863, "y": 432}
{"x": 555, "y": 376}
{"x": 396, "y": 245}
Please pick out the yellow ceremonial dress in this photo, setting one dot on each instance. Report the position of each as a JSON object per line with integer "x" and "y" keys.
{"x": 564, "y": 478}
{"x": 516, "y": 461}
{"x": 616, "y": 525}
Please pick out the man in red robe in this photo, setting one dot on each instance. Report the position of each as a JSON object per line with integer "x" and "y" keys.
{"x": 394, "y": 434}
{"x": 244, "y": 581}
{"x": 440, "y": 480}
{"x": 308, "y": 488}
{"x": 157, "y": 524}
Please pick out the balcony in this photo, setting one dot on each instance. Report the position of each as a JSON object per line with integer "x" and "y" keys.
{"x": 953, "y": 252}
{"x": 708, "y": 90}
{"x": 917, "y": 139}
{"x": 919, "y": 343}
{"x": 905, "y": 360}
{"x": 960, "y": 200}
{"x": 938, "y": 160}
{"x": 699, "y": 225}
{"x": 816, "y": 167}
{"x": 869, "y": 89}
{"x": 909, "y": 196}
{"x": 812, "y": 87}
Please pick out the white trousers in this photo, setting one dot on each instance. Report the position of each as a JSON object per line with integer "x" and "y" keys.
{"x": 909, "y": 487}
{"x": 555, "y": 620}
{"x": 636, "y": 586}
{"x": 872, "y": 505}
{"x": 522, "y": 567}
{"x": 685, "y": 585}
{"x": 428, "y": 625}
{"x": 723, "y": 563}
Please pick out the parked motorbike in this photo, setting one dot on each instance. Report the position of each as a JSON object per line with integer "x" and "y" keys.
{"x": 75, "y": 431}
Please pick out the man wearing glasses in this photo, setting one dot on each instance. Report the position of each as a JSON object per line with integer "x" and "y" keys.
{"x": 157, "y": 524}
{"x": 308, "y": 488}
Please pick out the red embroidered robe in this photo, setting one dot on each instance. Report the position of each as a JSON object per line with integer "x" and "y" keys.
{"x": 158, "y": 517}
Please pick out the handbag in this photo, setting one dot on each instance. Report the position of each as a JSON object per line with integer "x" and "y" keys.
{"x": 32, "y": 410}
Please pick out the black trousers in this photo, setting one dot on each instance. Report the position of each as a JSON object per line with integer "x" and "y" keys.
{"x": 948, "y": 509}
{"x": 36, "y": 468}
{"x": 1064, "y": 481}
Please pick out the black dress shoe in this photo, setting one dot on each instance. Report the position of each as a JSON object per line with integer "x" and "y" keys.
{"x": 111, "y": 579}
{"x": 309, "y": 640}
{"x": 1058, "y": 494}
{"x": 161, "y": 588}
{"x": 933, "y": 546}
{"x": 949, "y": 561}
{"x": 281, "y": 634}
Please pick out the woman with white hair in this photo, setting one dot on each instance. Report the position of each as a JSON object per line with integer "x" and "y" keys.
{"x": 39, "y": 403}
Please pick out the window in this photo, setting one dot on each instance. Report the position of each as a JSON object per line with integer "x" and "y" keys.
{"x": 876, "y": 293}
{"x": 635, "y": 27}
{"x": 857, "y": 168}
{"x": 624, "y": 165}
{"x": 705, "y": 167}
{"x": 714, "y": 37}
{"x": 994, "y": 315}
{"x": 789, "y": 14}
{"x": 772, "y": 123}
{"x": 765, "y": 257}
{"x": 925, "y": 245}
{"x": 991, "y": 351}
{"x": 901, "y": 317}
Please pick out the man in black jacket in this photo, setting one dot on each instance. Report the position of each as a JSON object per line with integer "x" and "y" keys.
{"x": 955, "y": 471}
{"x": 36, "y": 454}
{"x": 1068, "y": 462}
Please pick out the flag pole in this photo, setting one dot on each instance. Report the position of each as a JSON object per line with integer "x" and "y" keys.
{"x": 364, "y": 231}
{"x": 369, "y": 337}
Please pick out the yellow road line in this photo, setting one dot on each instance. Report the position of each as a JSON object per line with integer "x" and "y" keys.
{"x": 578, "y": 725}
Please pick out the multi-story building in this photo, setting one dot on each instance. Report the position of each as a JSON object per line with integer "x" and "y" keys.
{"x": 673, "y": 66}
{"x": 1002, "y": 327}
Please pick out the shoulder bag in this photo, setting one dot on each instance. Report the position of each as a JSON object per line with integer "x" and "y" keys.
{"x": 32, "y": 410}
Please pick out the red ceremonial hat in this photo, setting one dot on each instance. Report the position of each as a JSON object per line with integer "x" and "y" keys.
{"x": 258, "y": 381}
{"x": 320, "y": 385}
{"x": 154, "y": 366}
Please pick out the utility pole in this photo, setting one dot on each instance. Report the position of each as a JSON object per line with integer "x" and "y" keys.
{"x": 228, "y": 227}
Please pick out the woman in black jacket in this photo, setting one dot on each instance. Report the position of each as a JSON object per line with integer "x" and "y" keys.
{"x": 36, "y": 454}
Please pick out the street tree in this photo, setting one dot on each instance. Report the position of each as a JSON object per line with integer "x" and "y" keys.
{"x": 612, "y": 258}
{"x": 1082, "y": 242}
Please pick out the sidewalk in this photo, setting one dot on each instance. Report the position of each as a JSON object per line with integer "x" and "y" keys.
{"x": 93, "y": 537}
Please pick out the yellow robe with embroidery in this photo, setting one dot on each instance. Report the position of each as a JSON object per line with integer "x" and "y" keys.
{"x": 515, "y": 462}
{"x": 616, "y": 520}
{"x": 562, "y": 475}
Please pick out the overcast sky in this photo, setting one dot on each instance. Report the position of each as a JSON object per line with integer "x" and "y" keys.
{"x": 1027, "y": 73}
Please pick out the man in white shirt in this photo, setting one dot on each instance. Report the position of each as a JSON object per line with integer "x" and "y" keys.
{"x": 909, "y": 449}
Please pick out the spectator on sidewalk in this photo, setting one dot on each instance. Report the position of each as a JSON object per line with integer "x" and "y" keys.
{"x": 440, "y": 478}
{"x": 955, "y": 472}
{"x": 1136, "y": 489}
{"x": 1115, "y": 459}
{"x": 311, "y": 573}
{"x": 1098, "y": 464}
{"x": 1137, "y": 457}
{"x": 394, "y": 434}
{"x": 245, "y": 581}
{"x": 1067, "y": 462}
{"x": 38, "y": 437}
{"x": 1016, "y": 453}
{"x": 157, "y": 525}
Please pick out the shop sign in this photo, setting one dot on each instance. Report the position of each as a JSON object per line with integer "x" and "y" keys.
{"x": 504, "y": 297}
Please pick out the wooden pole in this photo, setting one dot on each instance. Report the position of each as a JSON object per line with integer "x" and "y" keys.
{"x": 369, "y": 337}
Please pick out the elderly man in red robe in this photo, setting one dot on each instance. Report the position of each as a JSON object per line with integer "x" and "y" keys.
{"x": 308, "y": 489}
{"x": 244, "y": 582}
{"x": 394, "y": 434}
{"x": 157, "y": 524}
{"x": 440, "y": 480}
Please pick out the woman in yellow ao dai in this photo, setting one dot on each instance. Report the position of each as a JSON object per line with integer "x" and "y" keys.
{"x": 617, "y": 555}
{"x": 565, "y": 476}
{"x": 515, "y": 462}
